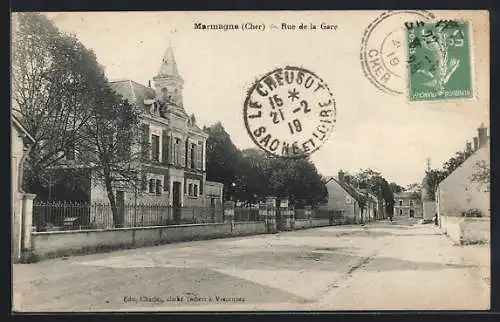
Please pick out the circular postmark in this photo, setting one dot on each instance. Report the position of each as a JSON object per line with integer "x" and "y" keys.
{"x": 383, "y": 48}
{"x": 289, "y": 112}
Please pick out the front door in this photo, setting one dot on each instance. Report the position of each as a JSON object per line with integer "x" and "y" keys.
{"x": 176, "y": 201}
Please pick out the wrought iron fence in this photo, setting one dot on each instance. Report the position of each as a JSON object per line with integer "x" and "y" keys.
{"x": 242, "y": 214}
{"x": 54, "y": 216}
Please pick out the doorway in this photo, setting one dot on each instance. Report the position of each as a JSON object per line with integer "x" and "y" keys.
{"x": 412, "y": 213}
{"x": 176, "y": 201}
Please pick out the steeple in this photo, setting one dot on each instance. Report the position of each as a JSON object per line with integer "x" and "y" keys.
{"x": 168, "y": 83}
{"x": 168, "y": 67}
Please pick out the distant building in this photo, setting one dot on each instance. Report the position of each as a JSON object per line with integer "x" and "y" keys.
{"x": 348, "y": 199}
{"x": 457, "y": 194}
{"x": 407, "y": 204}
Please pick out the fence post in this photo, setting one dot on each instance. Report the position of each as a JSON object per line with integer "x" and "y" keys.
{"x": 285, "y": 214}
{"x": 27, "y": 225}
{"x": 308, "y": 213}
{"x": 229, "y": 213}
{"x": 291, "y": 211}
{"x": 263, "y": 211}
{"x": 271, "y": 214}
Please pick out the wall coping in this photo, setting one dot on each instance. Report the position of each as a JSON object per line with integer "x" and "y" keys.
{"x": 249, "y": 222}
{"x": 61, "y": 232}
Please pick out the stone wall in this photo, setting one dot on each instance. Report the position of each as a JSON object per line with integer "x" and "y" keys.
{"x": 463, "y": 230}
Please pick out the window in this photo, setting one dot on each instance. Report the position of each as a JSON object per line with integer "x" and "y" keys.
{"x": 155, "y": 142}
{"x": 411, "y": 203}
{"x": 158, "y": 187}
{"x": 152, "y": 185}
{"x": 190, "y": 189}
{"x": 195, "y": 192}
{"x": 400, "y": 211}
{"x": 400, "y": 202}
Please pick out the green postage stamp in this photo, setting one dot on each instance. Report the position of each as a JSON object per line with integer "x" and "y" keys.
{"x": 439, "y": 57}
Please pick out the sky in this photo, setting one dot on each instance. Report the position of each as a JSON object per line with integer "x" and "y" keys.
{"x": 374, "y": 130}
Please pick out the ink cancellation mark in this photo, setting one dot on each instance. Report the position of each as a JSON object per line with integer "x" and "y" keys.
{"x": 382, "y": 53}
{"x": 290, "y": 112}
{"x": 439, "y": 60}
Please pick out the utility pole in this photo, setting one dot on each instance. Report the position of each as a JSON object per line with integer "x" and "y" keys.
{"x": 428, "y": 161}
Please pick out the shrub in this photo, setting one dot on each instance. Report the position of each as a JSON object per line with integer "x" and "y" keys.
{"x": 474, "y": 212}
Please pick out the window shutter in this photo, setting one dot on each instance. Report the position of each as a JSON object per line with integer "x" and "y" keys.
{"x": 145, "y": 142}
{"x": 188, "y": 154}
{"x": 199, "y": 155}
{"x": 182, "y": 148}
{"x": 171, "y": 149}
{"x": 164, "y": 146}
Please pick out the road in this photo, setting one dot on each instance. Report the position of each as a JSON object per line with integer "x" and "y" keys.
{"x": 380, "y": 266}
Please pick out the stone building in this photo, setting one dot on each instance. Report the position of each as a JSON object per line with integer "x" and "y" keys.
{"x": 408, "y": 204}
{"x": 457, "y": 193}
{"x": 174, "y": 170}
{"x": 463, "y": 205}
{"x": 350, "y": 200}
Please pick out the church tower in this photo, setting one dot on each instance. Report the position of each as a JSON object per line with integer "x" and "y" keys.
{"x": 168, "y": 83}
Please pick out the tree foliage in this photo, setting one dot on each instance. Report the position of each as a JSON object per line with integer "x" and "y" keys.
{"x": 251, "y": 175}
{"x": 481, "y": 173}
{"x": 63, "y": 98}
{"x": 55, "y": 81}
{"x": 434, "y": 176}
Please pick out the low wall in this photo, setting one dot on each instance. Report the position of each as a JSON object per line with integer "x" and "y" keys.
{"x": 320, "y": 222}
{"x": 302, "y": 224}
{"x": 465, "y": 231}
{"x": 476, "y": 230}
{"x": 53, "y": 244}
{"x": 249, "y": 228}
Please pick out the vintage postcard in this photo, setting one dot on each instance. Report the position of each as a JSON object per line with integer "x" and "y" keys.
{"x": 250, "y": 161}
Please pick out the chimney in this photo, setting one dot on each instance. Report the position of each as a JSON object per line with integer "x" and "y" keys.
{"x": 468, "y": 148}
{"x": 341, "y": 176}
{"x": 476, "y": 143}
{"x": 149, "y": 83}
{"x": 481, "y": 134}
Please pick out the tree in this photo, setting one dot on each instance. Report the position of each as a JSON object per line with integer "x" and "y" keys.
{"x": 64, "y": 99}
{"x": 114, "y": 145}
{"x": 481, "y": 173}
{"x": 395, "y": 188}
{"x": 455, "y": 161}
{"x": 432, "y": 179}
{"x": 54, "y": 86}
{"x": 222, "y": 158}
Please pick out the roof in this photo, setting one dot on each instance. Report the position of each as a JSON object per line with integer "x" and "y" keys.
{"x": 17, "y": 123}
{"x": 353, "y": 192}
{"x": 133, "y": 92}
{"x": 168, "y": 65}
{"x": 407, "y": 194}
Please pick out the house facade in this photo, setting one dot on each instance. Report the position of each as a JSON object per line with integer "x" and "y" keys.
{"x": 408, "y": 204}
{"x": 457, "y": 193}
{"x": 348, "y": 199}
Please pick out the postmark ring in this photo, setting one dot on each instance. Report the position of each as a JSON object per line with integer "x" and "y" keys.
{"x": 382, "y": 53}
{"x": 289, "y": 112}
